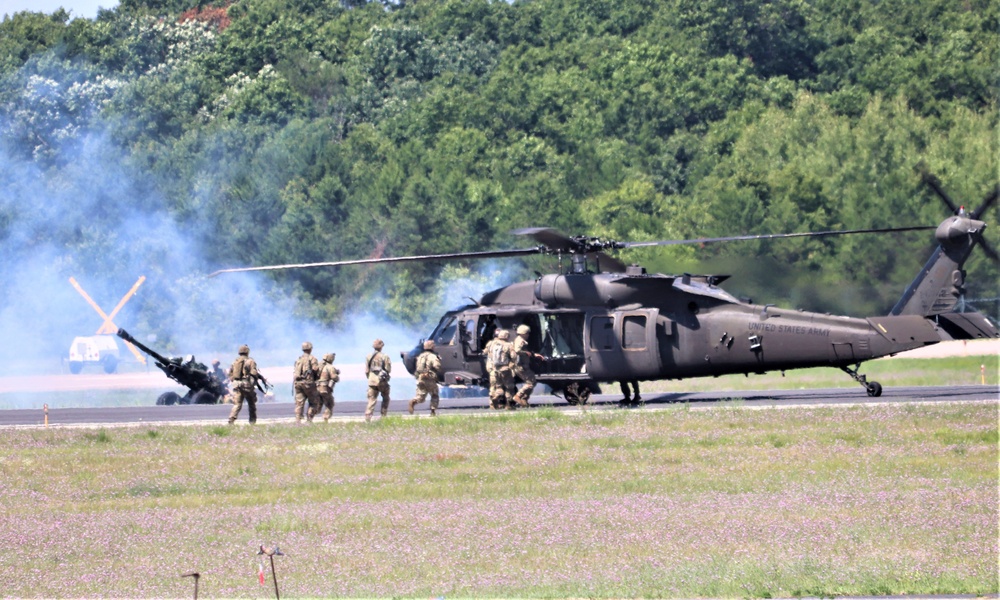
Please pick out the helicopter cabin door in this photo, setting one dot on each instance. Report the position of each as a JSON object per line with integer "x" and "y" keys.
{"x": 622, "y": 345}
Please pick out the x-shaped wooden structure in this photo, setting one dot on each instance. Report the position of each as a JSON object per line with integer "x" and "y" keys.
{"x": 108, "y": 326}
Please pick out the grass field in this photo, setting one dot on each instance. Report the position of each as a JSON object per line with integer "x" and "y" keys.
{"x": 683, "y": 502}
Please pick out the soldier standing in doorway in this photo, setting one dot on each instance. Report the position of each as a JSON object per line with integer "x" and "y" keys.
{"x": 328, "y": 377}
{"x": 305, "y": 373}
{"x": 428, "y": 371}
{"x": 243, "y": 374}
{"x": 377, "y": 369}
{"x": 500, "y": 362}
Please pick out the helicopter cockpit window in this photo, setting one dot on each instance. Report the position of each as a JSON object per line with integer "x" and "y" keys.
{"x": 634, "y": 332}
{"x": 445, "y": 331}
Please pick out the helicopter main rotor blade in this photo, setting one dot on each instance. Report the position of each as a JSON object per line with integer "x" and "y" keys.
{"x": 935, "y": 184}
{"x": 392, "y": 259}
{"x": 771, "y": 236}
{"x": 987, "y": 202}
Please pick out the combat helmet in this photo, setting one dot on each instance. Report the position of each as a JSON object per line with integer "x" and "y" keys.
{"x": 307, "y": 346}
{"x": 328, "y": 357}
{"x": 503, "y": 334}
{"x": 429, "y": 345}
{"x": 523, "y": 330}
{"x": 244, "y": 349}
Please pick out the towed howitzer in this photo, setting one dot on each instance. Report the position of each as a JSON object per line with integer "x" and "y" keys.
{"x": 203, "y": 386}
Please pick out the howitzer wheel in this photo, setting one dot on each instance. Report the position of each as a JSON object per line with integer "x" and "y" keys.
{"x": 204, "y": 397}
{"x": 168, "y": 399}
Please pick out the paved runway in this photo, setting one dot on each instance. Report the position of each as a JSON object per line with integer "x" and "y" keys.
{"x": 283, "y": 411}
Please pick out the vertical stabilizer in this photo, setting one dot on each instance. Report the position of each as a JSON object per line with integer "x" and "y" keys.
{"x": 940, "y": 284}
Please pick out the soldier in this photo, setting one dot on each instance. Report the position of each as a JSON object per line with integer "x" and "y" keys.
{"x": 243, "y": 374}
{"x": 523, "y": 367}
{"x": 328, "y": 377}
{"x": 428, "y": 371}
{"x": 306, "y": 372}
{"x": 377, "y": 369}
{"x": 634, "y": 399}
{"x": 500, "y": 362}
{"x": 223, "y": 378}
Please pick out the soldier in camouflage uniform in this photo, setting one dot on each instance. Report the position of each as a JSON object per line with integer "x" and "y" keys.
{"x": 305, "y": 373}
{"x": 523, "y": 366}
{"x": 500, "y": 362}
{"x": 328, "y": 377}
{"x": 427, "y": 372}
{"x": 243, "y": 375}
{"x": 377, "y": 369}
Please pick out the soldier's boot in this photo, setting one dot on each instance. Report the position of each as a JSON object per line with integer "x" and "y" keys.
{"x": 433, "y": 412}
{"x": 637, "y": 398}
{"x": 231, "y": 421}
{"x": 368, "y": 417}
{"x": 520, "y": 399}
{"x": 410, "y": 406}
{"x": 384, "y": 412}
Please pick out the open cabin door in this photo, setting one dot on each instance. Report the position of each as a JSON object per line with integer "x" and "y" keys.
{"x": 622, "y": 344}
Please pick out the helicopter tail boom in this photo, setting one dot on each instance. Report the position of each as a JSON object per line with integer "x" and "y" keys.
{"x": 940, "y": 286}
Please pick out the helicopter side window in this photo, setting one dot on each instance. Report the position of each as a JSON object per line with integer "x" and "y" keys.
{"x": 634, "y": 332}
{"x": 602, "y": 333}
{"x": 562, "y": 334}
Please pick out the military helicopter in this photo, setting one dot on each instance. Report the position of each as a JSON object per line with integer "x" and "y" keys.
{"x": 601, "y": 320}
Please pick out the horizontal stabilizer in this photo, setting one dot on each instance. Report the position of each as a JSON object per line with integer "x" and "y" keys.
{"x": 967, "y": 326}
{"x": 911, "y": 331}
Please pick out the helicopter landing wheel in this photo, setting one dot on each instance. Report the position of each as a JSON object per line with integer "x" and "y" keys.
{"x": 577, "y": 394}
{"x": 873, "y": 388}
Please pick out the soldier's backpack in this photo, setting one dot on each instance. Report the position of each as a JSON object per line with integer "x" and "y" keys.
{"x": 499, "y": 355}
{"x": 236, "y": 369}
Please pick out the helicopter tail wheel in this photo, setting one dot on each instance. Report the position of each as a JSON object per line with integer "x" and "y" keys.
{"x": 874, "y": 388}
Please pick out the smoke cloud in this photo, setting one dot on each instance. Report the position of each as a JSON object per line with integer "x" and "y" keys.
{"x": 90, "y": 221}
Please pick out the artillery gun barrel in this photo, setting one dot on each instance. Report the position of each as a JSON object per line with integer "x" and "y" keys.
{"x": 162, "y": 360}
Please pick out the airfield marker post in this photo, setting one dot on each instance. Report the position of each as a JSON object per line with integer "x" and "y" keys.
{"x": 196, "y": 577}
{"x": 982, "y": 374}
{"x": 270, "y": 553}
{"x": 45, "y": 409}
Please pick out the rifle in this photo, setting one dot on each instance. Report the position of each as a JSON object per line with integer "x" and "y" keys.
{"x": 267, "y": 385}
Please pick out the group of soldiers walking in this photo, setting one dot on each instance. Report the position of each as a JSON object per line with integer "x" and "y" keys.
{"x": 313, "y": 381}
{"x": 313, "y": 384}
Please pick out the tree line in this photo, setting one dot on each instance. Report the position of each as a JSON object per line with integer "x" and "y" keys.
{"x": 291, "y": 131}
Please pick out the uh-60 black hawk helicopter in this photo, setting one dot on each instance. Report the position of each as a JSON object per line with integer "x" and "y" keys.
{"x": 604, "y": 321}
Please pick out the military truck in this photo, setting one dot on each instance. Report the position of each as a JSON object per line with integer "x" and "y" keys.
{"x": 203, "y": 386}
{"x": 94, "y": 350}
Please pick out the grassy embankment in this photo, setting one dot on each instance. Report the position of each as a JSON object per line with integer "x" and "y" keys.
{"x": 724, "y": 502}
